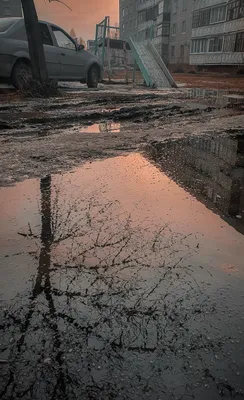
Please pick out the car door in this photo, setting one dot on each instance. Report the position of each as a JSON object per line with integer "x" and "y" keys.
{"x": 52, "y": 52}
{"x": 72, "y": 61}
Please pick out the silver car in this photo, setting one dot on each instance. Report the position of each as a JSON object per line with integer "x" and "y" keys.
{"x": 66, "y": 61}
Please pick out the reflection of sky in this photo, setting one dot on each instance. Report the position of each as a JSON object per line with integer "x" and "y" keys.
{"x": 19, "y": 206}
{"x": 112, "y": 127}
{"x": 55, "y": 321}
{"x": 150, "y": 194}
{"x": 151, "y": 197}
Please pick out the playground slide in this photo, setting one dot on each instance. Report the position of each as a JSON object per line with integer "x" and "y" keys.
{"x": 153, "y": 69}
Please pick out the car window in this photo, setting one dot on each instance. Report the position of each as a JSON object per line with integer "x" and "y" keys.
{"x": 63, "y": 40}
{"x": 5, "y": 24}
{"x": 46, "y": 36}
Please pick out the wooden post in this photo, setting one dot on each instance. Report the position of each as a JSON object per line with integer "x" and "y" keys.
{"x": 36, "y": 50}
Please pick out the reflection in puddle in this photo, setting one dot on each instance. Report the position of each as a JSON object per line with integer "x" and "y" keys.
{"x": 218, "y": 97}
{"x": 212, "y": 168}
{"x": 105, "y": 288}
{"x": 103, "y": 127}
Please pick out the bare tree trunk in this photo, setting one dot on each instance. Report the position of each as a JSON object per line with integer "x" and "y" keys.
{"x": 36, "y": 50}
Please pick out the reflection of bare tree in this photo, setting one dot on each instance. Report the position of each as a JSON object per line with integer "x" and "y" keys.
{"x": 109, "y": 311}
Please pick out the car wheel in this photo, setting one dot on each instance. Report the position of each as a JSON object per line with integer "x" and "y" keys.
{"x": 21, "y": 75}
{"x": 93, "y": 77}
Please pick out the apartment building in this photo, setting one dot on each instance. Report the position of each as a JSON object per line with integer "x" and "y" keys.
{"x": 167, "y": 23}
{"x": 188, "y": 33}
{"x": 128, "y": 18}
{"x": 10, "y": 8}
{"x": 217, "y": 32}
{"x": 180, "y": 34}
{"x": 147, "y": 19}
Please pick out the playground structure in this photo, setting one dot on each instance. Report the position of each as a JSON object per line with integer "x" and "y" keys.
{"x": 122, "y": 59}
{"x": 115, "y": 54}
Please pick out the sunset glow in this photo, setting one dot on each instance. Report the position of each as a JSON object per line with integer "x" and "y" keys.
{"x": 83, "y": 17}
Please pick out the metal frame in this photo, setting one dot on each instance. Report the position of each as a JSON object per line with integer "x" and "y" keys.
{"x": 102, "y": 36}
{"x": 104, "y": 24}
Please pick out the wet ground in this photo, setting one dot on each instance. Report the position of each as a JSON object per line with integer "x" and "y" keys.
{"x": 122, "y": 248}
{"x": 53, "y": 135}
{"x": 207, "y": 80}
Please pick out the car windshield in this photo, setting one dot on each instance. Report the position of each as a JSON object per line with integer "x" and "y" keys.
{"x": 5, "y": 23}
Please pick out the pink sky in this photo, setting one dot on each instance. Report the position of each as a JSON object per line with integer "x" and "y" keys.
{"x": 83, "y": 17}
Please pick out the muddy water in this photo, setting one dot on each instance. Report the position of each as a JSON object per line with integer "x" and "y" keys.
{"x": 107, "y": 126}
{"x": 120, "y": 280}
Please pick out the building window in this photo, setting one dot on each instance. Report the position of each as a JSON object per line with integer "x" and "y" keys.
{"x": 183, "y": 27}
{"x": 161, "y": 8}
{"x": 235, "y": 10}
{"x": 182, "y": 51}
{"x": 184, "y": 5}
{"x": 175, "y": 6}
{"x": 174, "y": 29}
{"x": 216, "y": 44}
{"x": 209, "y": 16}
{"x": 229, "y": 43}
{"x": 239, "y": 46}
{"x": 7, "y": 11}
{"x": 166, "y": 30}
{"x": 172, "y": 51}
{"x": 199, "y": 46}
{"x": 159, "y": 30}
{"x": 218, "y": 14}
{"x": 201, "y": 18}
{"x": 148, "y": 15}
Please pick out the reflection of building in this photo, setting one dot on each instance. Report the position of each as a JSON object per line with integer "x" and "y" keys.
{"x": 10, "y": 8}
{"x": 212, "y": 169}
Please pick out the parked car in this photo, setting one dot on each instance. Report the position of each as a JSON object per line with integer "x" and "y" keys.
{"x": 66, "y": 61}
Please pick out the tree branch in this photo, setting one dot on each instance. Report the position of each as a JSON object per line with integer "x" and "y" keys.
{"x": 59, "y": 1}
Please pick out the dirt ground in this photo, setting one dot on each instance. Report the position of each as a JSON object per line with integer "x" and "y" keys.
{"x": 45, "y": 135}
{"x": 205, "y": 80}
{"x": 211, "y": 81}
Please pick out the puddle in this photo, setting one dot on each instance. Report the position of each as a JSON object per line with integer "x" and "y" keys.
{"x": 116, "y": 280}
{"x": 218, "y": 97}
{"x": 108, "y": 126}
{"x": 211, "y": 168}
